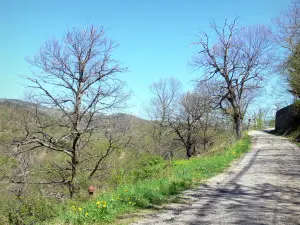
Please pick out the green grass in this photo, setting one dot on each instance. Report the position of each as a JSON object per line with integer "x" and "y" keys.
{"x": 172, "y": 179}
{"x": 293, "y": 135}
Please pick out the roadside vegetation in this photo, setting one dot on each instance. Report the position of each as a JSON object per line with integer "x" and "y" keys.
{"x": 295, "y": 136}
{"x": 160, "y": 180}
{"x": 152, "y": 182}
{"x": 131, "y": 177}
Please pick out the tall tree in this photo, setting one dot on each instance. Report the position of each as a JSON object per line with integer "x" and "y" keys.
{"x": 287, "y": 33}
{"x": 286, "y": 36}
{"x": 236, "y": 64}
{"x": 77, "y": 78}
{"x": 165, "y": 95}
{"x": 293, "y": 68}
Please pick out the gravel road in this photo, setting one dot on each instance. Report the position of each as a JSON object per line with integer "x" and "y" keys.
{"x": 261, "y": 188}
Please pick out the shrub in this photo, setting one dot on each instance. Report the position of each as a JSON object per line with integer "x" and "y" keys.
{"x": 149, "y": 167}
{"x": 32, "y": 210}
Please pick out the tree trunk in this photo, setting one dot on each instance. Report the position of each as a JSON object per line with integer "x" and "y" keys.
{"x": 238, "y": 126}
{"x": 76, "y": 122}
{"x": 73, "y": 163}
{"x": 72, "y": 188}
{"x": 189, "y": 151}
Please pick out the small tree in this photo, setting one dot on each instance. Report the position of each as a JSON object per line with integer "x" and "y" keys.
{"x": 183, "y": 117}
{"x": 77, "y": 79}
{"x": 189, "y": 119}
{"x": 235, "y": 64}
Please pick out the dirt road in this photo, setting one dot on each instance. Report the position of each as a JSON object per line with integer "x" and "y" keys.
{"x": 261, "y": 188}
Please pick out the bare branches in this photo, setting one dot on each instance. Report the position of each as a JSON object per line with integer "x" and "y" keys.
{"x": 165, "y": 95}
{"x": 237, "y": 62}
{"x": 77, "y": 78}
{"x": 159, "y": 110}
{"x": 188, "y": 119}
{"x": 81, "y": 64}
{"x": 288, "y": 27}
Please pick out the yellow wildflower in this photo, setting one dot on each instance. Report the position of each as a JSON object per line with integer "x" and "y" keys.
{"x": 86, "y": 214}
{"x": 125, "y": 190}
{"x": 79, "y": 209}
{"x": 98, "y": 203}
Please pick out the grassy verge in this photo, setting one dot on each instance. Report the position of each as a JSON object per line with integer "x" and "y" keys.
{"x": 293, "y": 135}
{"x": 178, "y": 176}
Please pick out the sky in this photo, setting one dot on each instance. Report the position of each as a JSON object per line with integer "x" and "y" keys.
{"x": 154, "y": 36}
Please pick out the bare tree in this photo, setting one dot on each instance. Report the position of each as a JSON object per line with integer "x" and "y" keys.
{"x": 76, "y": 78}
{"x": 165, "y": 93}
{"x": 210, "y": 121}
{"x": 235, "y": 64}
{"x": 161, "y": 106}
{"x": 185, "y": 118}
{"x": 288, "y": 27}
{"x": 188, "y": 119}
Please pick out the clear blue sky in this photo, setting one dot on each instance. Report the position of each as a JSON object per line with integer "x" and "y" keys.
{"x": 154, "y": 36}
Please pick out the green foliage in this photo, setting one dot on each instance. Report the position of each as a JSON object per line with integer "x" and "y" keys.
{"x": 259, "y": 120}
{"x": 271, "y": 123}
{"x": 145, "y": 168}
{"x": 183, "y": 174}
{"x": 149, "y": 167}
{"x": 296, "y": 108}
{"x": 6, "y": 164}
{"x": 30, "y": 210}
{"x": 293, "y": 64}
{"x": 134, "y": 180}
{"x": 294, "y": 135}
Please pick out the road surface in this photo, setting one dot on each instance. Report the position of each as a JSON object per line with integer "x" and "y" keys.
{"x": 261, "y": 188}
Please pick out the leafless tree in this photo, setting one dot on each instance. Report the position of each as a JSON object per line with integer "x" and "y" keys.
{"x": 75, "y": 79}
{"x": 236, "y": 64}
{"x": 287, "y": 23}
{"x": 188, "y": 119}
{"x": 165, "y": 94}
{"x": 210, "y": 123}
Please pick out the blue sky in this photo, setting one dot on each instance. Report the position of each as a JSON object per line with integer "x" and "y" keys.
{"x": 154, "y": 36}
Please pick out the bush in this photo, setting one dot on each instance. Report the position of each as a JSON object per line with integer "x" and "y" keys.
{"x": 149, "y": 167}
{"x": 31, "y": 210}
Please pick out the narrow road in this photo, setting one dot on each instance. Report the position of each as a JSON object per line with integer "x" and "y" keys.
{"x": 261, "y": 188}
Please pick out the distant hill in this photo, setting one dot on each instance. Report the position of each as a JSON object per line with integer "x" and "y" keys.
{"x": 24, "y": 104}
{"x": 14, "y": 102}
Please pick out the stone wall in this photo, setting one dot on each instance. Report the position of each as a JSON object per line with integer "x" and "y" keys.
{"x": 287, "y": 119}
